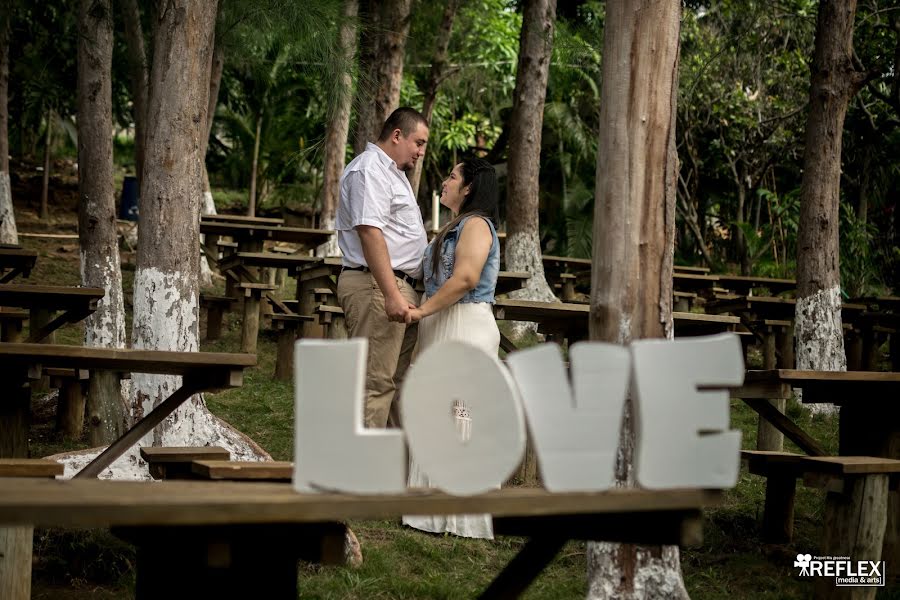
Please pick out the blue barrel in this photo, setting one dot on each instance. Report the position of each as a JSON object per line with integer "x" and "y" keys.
{"x": 128, "y": 206}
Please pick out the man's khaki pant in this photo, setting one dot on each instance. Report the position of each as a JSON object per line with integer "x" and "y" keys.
{"x": 390, "y": 344}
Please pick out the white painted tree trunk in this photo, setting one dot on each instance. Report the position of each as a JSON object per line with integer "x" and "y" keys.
{"x": 329, "y": 248}
{"x": 8, "y": 232}
{"x": 820, "y": 340}
{"x": 523, "y": 244}
{"x": 207, "y": 207}
{"x": 834, "y": 79}
{"x": 633, "y": 246}
{"x": 166, "y": 280}
{"x": 98, "y": 236}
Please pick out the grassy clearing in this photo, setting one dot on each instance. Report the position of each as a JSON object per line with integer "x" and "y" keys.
{"x": 401, "y": 563}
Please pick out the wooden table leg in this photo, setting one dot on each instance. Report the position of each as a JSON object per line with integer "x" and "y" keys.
{"x": 139, "y": 430}
{"x": 768, "y": 437}
{"x": 524, "y": 568}
{"x": 229, "y": 561}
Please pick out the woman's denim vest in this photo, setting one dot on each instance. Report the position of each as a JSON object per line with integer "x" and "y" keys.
{"x": 487, "y": 284}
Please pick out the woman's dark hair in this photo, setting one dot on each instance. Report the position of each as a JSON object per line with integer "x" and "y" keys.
{"x": 481, "y": 200}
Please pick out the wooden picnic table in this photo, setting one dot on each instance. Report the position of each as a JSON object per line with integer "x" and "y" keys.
{"x": 233, "y": 539}
{"x": 691, "y": 269}
{"x": 742, "y": 284}
{"x": 15, "y": 261}
{"x": 869, "y": 419}
{"x": 241, "y": 219}
{"x": 74, "y": 304}
{"x": 251, "y": 237}
{"x": 200, "y": 372}
{"x": 869, "y": 401}
{"x": 568, "y": 321}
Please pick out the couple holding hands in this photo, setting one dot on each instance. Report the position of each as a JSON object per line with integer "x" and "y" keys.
{"x": 386, "y": 252}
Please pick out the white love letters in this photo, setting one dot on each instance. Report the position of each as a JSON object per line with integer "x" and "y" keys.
{"x": 680, "y": 416}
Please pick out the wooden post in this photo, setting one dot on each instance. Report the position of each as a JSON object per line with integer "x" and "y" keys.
{"x": 778, "y": 514}
{"x": 854, "y": 526}
{"x": 15, "y": 562}
{"x": 214, "y": 314}
{"x": 767, "y": 436}
{"x": 37, "y": 318}
{"x": 70, "y": 409}
{"x": 14, "y": 416}
{"x": 250, "y": 325}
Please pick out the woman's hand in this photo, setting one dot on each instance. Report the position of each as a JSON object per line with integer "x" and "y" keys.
{"x": 414, "y": 315}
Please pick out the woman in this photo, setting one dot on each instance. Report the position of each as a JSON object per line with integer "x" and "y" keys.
{"x": 461, "y": 265}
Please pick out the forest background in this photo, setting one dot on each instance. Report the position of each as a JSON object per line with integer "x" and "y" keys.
{"x": 743, "y": 93}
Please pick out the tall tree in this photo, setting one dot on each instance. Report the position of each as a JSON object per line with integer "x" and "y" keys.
{"x": 834, "y": 81}
{"x": 140, "y": 80}
{"x": 97, "y": 212}
{"x": 523, "y": 244}
{"x": 384, "y": 46}
{"x": 166, "y": 291}
{"x": 8, "y": 232}
{"x": 435, "y": 76}
{"x": 634, "y": 227}
{"x": 338, "y": 126}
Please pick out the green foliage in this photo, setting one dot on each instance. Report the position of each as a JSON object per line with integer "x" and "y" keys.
{"x": 859, "y": 260}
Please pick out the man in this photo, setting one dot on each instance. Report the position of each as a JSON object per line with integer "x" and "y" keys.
{"x": 382, "y": 240}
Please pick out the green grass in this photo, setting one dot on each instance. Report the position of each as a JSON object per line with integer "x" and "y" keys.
{"x": 401, "y": 563}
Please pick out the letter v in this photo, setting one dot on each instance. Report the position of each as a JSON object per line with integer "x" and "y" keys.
{"x": 575, "y": 436}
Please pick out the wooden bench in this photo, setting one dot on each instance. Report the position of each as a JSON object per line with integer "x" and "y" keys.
{"x": 288, "y": 328}
{"x": 845, "y": 475}
{"x": 241, "y": 470}
{"x": 16, "y": 542}
{"x": 215, "y": 307}
{"x": 174, "y": 462}
{"x": 332, "y": 320}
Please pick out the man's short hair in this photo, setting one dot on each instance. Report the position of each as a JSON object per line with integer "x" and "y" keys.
{"x": 405, "y": 119}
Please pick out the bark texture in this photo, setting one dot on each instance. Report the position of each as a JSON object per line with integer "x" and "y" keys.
{"x": 97, "y": 233}
{"x": 384, "y": 50}
{"x": 8, "y": 232}
{"x": 438, "y": 66}
{"x": 523, "y": 245}
{"x": 140, "y": 80}
{"x": 834, "y": 81}
{"x": 338, "y": 127}
{"x": 166, "y": 291}
{"x": 634, "y": 228}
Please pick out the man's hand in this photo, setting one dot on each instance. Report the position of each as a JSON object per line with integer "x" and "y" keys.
{"x": 396, "y": 307}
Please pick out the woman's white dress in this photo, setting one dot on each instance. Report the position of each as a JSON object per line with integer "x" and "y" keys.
{"x": 473, "y": 323}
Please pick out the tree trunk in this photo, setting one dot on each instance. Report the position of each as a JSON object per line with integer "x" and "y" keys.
{"x": 166, "y": 300}
{"x": 438, "y": 63}
{"x": 523, "y": 245}
{"x": 368, "y": 48}
{"x": 251, "y": 201}
{"x": 45, "y": 181}
{"x": 338, "y": 128}
{"x": 388, "y": 30}
{"x": 207, "y": 204}
{"x": 633, "y": 243}
{"x": 97, "y": 213}
{"x": 8, "y": 232}
{"x": 817, "y": 325}
{"x": 137, "y": 67}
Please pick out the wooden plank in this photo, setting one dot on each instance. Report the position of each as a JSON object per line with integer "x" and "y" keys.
{"x": 103, "y": 503}
{"x": 233, "y": 470}
{"x": 851, "y": 465}
{"x": 55, "y": 297}
{"x": 182, "y": 454}
{"x": 268, "y": 259}
{"x": 785, "y": 425}
{"x": 30, "y": 467}
{"x": 121, "y": 359}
